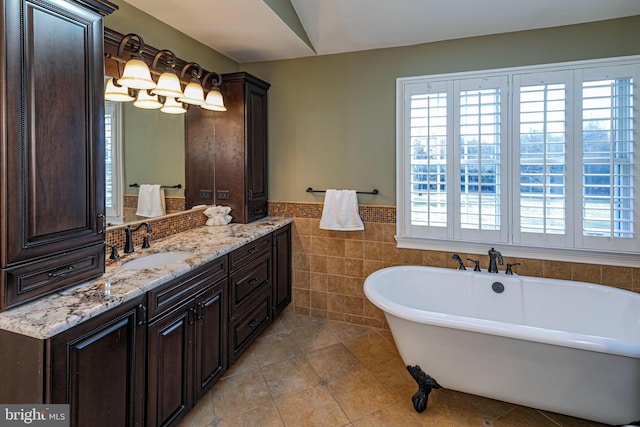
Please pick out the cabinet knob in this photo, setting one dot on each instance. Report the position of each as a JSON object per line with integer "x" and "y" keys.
{"x": 253, "y": 323}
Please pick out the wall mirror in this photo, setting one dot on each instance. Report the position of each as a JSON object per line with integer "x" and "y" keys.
{"x": 142, "y": 146}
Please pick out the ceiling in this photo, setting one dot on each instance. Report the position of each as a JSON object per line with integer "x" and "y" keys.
{"x": 259, "y": 30}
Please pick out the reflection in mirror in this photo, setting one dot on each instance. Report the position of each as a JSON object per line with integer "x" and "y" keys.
{"x": 143, "y": 147}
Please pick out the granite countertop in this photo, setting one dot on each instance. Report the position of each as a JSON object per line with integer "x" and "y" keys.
{"x": 55, "y": 313}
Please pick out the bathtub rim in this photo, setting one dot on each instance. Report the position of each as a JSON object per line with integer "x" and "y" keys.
{"x": 586, "y": 342}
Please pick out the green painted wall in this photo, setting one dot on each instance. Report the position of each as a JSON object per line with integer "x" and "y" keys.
{"x": 153, "y": 149}
{"x": 332, "y": 118}
{"x": 154, "y": 141}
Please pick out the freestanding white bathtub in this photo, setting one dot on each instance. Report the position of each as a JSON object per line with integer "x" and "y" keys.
{"x": 562, "y": 346}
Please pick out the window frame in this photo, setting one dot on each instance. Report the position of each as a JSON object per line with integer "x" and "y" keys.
{"x": 412, "y": 237}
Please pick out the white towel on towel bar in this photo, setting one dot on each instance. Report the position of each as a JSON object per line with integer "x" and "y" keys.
{"x": 151, "y": 201}
{"x": 340, "y": 211}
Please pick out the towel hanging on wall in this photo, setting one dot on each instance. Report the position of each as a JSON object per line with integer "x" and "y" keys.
{"x": 151, "y": 201}
{"x": 340, "y": 211}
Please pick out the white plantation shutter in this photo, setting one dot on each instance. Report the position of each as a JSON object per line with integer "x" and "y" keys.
{"x": 541, "y": 159}
{"x": 427, "y": 155}
{"x": 113, "y": 162}
{"x": 480, "y": 134}
{"x": 608, "y": 132}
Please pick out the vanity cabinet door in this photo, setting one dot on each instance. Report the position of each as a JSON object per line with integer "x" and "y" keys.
{"x": 281, "y": 269}
{"x": 170, "y": 366}
{"x": 52, "y": 162}
{"x": 211, "y": 337}
{"x": 98, "y": 368}
{"x": 187, "y": 350}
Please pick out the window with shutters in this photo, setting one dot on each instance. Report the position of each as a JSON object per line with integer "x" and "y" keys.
{"x": 113, "y": 162}
{"x": 541, "y": 161}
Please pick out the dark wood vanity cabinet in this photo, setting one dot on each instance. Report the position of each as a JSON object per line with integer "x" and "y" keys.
{"x": 226, "y": 152}
{"x": 186, "y": 341}
{"x": 98, "y": 368}
{"x": 148, "y": 361}
{"x": 250, "y": 294}
{"x": 281, "y": 269}
{"x": 52, "y": 162}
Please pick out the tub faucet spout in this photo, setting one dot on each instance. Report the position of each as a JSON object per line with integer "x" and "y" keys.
{"x": 493, "y": 257}
{"x": 460, "y": 262}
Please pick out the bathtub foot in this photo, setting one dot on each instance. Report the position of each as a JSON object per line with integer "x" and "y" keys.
{"x": 425, "y": 385}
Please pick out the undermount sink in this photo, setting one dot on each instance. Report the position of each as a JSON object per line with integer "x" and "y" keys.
{"x": 156, "y": 260}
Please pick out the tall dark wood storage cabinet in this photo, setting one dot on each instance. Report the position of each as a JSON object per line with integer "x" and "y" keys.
{"x": 226, "y": 152}
{"x": 52, "y": 161}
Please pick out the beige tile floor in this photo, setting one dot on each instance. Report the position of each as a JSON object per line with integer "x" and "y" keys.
{"x": 305, "y": 371}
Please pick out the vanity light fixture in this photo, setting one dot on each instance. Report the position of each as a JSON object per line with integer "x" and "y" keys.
{"x": 214, "y": 100}
{"x": 173, "y": 106}
{"x": 114, "y": 92}
{"x": 137, "y": 85}
{"x": 168, "y": 83}
{"x": 136, "y": 74}
{"x": 147, "y": 101}
{"x": 193, "y": 93}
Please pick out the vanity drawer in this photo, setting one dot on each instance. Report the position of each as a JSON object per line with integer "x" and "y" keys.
{"x": 249, "y": 252}
{"x": 35, "y": 279}
{"x": 249, "y": 281}
{"x": 168, "y": 295}
{"x": 256, "y": 210}
{"x": 244, "y": 330}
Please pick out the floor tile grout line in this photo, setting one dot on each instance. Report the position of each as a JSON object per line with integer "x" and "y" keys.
{"x": 549, "y": 418}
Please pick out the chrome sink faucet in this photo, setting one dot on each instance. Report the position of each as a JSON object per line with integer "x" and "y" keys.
{"x": 493, "y": 256}
{"x": 128, "y": 244}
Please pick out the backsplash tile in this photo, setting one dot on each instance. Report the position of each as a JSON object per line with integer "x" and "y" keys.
{"x": 162, "y": 227}
{"x": 329, "y": 267}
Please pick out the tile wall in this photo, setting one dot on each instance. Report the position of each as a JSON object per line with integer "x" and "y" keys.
{"x": 329, "y": 267}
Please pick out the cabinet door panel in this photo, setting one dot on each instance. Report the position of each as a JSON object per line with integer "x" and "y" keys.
{"x": 211, "y": 334}
{"x": 281, "y": 269}
{"x": 257, "y": 142}
{"x": 55, "y": 140}
{"x": 169, "y": 367}
{"x": 98, "y": 368}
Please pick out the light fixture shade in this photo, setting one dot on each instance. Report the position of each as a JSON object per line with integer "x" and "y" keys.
{"x": 214, "y": 101}
{"x": 146, "y": 101}
{"x": 193, "y": 93}
{"x": 116, "y": 93}
{"x": 171, "y": 106}
{"x": 168, "y": 85}
{"x": 136, "y": 75}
